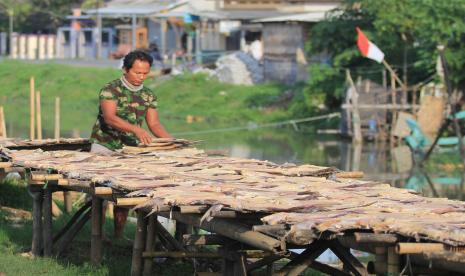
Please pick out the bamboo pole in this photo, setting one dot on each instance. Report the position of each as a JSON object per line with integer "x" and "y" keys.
{"x": 212, "y": 239}
{"x": 72, "y": 233}
{"x": 103, "y": 191}
{"x": 39, "y": 116}
{"x": 47, "y": 222}
{"x": 139, "y": 244}
{"x": 182, "y": 254}
{"x": 46, "y": 177}
{"x": 231, "y": 230}
{"x": 37, "y": 199}
{"x": 375, "y": 238}
{"x": 354, "y": 174}
{"x": 2, "y": 123}
{"x": 393, "y": 261}
{"x": 63, "y": 182}
{"x": 96, "y": 239}
{"x": 131, "y": 201}
{"x": 357, "y": 135}
{"x": 57, "y": 119}
{"x": 4, "y": 165}
{"x": 32, "y": 109}
{"x": 149, "y": 245}
{"x": 417, "y": 248}
{"x": 393, "y": 74}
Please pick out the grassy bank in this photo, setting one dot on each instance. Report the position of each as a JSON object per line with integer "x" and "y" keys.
{"x": 208, "y": 102}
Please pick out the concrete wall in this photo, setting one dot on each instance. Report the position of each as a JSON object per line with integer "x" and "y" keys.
{"x": 32, "y": 46}
{"x": 281, "y": 44}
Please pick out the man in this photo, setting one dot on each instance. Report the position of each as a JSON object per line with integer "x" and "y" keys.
{"x": 124, "y": 104}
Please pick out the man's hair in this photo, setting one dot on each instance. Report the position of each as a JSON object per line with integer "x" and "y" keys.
{"x": 130, "y": 58}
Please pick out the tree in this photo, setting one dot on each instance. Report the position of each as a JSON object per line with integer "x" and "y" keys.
{"x": 36, "y": 16}
{"x": 408, "y": 32}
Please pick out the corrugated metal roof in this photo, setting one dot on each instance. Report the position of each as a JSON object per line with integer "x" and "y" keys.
{"x": 140, "y": 8}
{"x": 236, "y": 14}
{"x": 302, "y": 17}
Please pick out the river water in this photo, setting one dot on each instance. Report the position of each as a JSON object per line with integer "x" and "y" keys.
{"x": 378, "y": 161}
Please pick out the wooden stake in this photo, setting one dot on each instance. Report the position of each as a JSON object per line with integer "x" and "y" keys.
{"x": 139, "y": 244}
{"x": 96, "y": 239}
{"x": 47, "y": 224}
{"x": 32, "y": 109}
{"x": 37, "y": 198}
{"x": 57, "y": 119}
{"x": 39, "y": 116}
{"x": 2, "y": 123}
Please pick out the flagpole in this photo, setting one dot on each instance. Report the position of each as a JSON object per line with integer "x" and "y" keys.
{"x": 394, "y": 74}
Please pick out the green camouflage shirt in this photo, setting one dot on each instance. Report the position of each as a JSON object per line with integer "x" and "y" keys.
{"x": 131, "y": 107}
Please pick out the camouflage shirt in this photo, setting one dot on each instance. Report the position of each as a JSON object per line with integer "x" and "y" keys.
{"x": 131, "y": 107}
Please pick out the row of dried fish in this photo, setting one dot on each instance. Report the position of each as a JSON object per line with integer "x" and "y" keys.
{"x": 302, "y": 198}
{"x": 158, "y": 144}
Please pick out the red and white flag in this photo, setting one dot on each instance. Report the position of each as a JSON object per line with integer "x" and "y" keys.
{"x": 367, "y": 48}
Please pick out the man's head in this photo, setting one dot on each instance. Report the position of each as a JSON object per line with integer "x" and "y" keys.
{"x": 136, "y": 66}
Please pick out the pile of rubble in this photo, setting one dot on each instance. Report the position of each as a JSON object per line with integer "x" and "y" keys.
{"x": 239, "y": 68}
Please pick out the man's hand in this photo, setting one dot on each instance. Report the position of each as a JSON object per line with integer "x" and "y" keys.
{"x": 143, "y": 136}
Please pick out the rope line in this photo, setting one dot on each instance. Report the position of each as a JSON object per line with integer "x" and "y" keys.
{"x": 253, "y": 126}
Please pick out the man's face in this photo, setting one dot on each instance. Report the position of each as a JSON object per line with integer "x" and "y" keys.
{"x": 138, "y": 72}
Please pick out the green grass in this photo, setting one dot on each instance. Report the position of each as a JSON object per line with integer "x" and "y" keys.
{"x": 16, "y": 236}
{"x": 216, "y": 104}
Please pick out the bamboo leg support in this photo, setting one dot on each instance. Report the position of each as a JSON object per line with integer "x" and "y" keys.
{"x": 96, "y": 239}
{"x": 68, "y": 202}
{"x": 47, "y": 222}
{"x": 303, "y": 260}
{"x": 37, "y": 198}
{"x": 149, "y": 245}
{"x": 68, "y": 237}
{"x": 139, "y": 244}
{"x": 393, "y": 261}
{"x": 240, "y": 265}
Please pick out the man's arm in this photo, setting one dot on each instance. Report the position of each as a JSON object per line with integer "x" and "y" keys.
{"x": 154, "y": 124}
{"x": 110, "y": 117}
